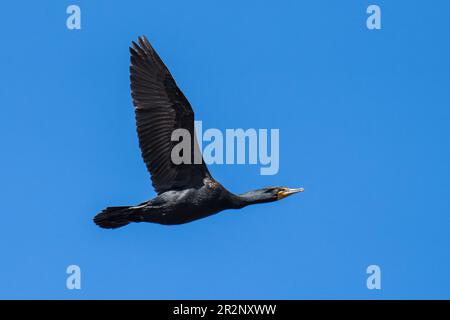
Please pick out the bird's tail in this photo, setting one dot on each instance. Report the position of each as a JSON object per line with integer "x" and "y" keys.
{"x": 114, "y": 217}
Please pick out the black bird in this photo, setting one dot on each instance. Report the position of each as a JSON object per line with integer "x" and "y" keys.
{"x": 186, "y": 192}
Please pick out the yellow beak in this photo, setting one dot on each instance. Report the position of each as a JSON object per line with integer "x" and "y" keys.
{"x": 287, "y": 192}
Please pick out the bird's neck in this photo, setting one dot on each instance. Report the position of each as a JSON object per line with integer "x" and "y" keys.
{"x": 246, "y": 199}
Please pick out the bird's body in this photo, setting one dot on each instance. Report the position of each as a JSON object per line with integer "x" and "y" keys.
{"x": 182, "y": 206}
{"x": 186, "y": 191}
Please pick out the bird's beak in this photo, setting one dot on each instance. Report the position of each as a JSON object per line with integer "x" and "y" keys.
{"x": 287, "y": 192}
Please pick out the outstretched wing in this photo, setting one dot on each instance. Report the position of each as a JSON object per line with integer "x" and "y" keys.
{"x": 161, "y": 108}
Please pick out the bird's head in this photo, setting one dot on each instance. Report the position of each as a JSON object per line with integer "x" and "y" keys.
{"x": 269, "y": 194}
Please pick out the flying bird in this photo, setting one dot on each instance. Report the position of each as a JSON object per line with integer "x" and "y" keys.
{"x": 185, "y": 192}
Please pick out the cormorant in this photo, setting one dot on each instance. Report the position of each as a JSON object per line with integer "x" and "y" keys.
{"x": 186, "y": 192}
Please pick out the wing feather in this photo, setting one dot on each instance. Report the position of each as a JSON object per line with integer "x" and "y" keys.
{"x": 161, "y": 108}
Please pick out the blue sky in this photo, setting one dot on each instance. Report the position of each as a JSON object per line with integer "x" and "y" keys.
{"x": 364, "y": 128}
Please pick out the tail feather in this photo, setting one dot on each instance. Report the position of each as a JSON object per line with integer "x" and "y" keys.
{"x": 113, "y": 217}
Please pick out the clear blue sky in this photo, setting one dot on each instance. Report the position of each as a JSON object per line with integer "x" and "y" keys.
{"x": 364, "y": 119}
